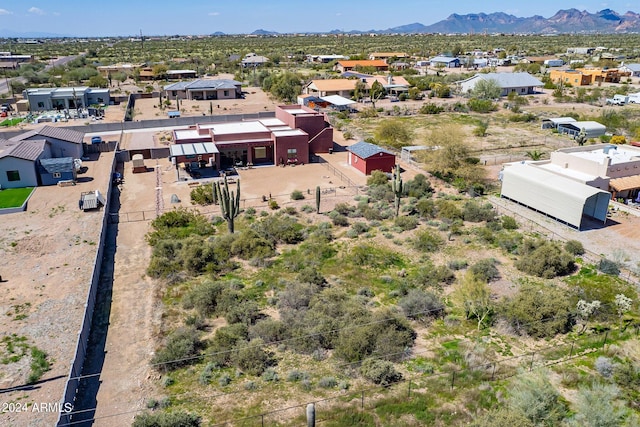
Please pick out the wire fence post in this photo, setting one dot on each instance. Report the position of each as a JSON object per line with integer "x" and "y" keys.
{"x": 533, "y": 355}
{"x": 571, "y": 351}
{"x": 453, "y": 379}
{"x": 409, "y": 391}
{"x": 262, "y": 418}
{"x": 493, "y": 371}
{"x": 362, "y": 400}
{"x": 604, "y": 341}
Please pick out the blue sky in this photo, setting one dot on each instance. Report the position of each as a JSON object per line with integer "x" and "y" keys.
{"x": 163, "y": 17}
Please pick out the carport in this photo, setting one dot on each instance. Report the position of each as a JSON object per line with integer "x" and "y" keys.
{"x": 194, "y": 156}
{"x": 338, "y": 102}
{"x": 556, "y": 196}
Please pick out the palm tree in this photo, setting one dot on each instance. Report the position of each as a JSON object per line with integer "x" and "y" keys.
{"x": 535, "y": 155}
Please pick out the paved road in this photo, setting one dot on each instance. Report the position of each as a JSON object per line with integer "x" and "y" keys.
{"x": 4, "y": 82}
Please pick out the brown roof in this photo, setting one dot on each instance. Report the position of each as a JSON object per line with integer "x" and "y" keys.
{"x": 61, "y": 133}
{"x": 364, "y": 63}
{"x": 626, "y": 183}
{"x": 26, "y": 150}
{"x": 334, "y": 84}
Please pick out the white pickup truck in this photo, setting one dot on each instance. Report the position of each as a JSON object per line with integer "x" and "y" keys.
{"x": 618, "y": 100}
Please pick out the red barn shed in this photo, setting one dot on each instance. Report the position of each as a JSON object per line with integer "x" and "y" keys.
{"x": 367, "y": 157}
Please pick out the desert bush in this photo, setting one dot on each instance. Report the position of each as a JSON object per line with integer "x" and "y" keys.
{"x": 430, "y": 275}
{"x": 538, "y": 312}
{"x": 427, "y": 241}
{"x": 311, "y": 275}
{"x": 419, "y": 304}
{"x": 295, "y": 376}
{"x": 485, "y": 269}
{"x": 296, "y": 296}
{"x": 297, "y": 195}
{"x": 270, "y": 375}
{"x": 598, "y": 406}
{"x": 406, "y": 222}
{"x": 481, "y": 105}
{"x": 338, "y": 219}
{"x": 268, "y": 330}
{"x": 534, "y": 396}
{"x": 179, "y": 349}
{"x": 609, "y": 267}
{"x": 328, "y": 382}
{"x": 273, "y": 204}
{"x": 574, "y": 247}
{"x": 426, "y": 208}
{"x": 503, "y": 417}
{"x": 251, "y": 357}
{"x": 604, "y": 366}
{"x": 249, "y": 244}
{"x": 246, "y": 312}
{"x": 475, "y": 212}
{"x": 379, "y": 372}
{"x": 430, "y": 108}
{"x": 225, "y": 339}
{"x": 509, "y": 222}
{"x": 448, "y": 210}
{"x": 458, "y": 264}
{"x": 203, "y": 298}
{"x": 166, "y": 419}
{"x": 377, "y": 177}
{"x": 202, "y": 195}
{"x": 279, "y": 229}
{"x": 544, "y": 259}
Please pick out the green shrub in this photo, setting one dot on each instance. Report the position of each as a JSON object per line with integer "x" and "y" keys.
{"x": 379, "y": 372}
{"x": 311, "y": 275}
{"x": 485, "y": 269}
{"x": 426, "y": 208}
{"x": 166, "y": 419}
{"x": 503, "y": 417}
{"x": 418, "y": 187}
{"x": 297, "y": 195}
{"x": 270, "y": 375}
{"x": 474, "y": 212}
{"x": 251, "y": 357}
{"x": 202, "y": 195}
{"x": 574, "y": 247}
{"x": 539, "y": 312}
{"x": 295, "y": 376}
{"x": 406, "y": 222}
{"x": 273, "y": 204}
{"x": 377, "y": 177}
{"x": 328, "y": 382}
{"x": 458, "y": 264}
{"x": 431, "y": 108}
{"x": 180, "y": 348}
{"x": 481, "y": 105}
{"x": 544, "y": 259}
{"x": 418, "y": 304}
{"x": 448, "y": 210}
{"x": 268, "y": 330}
{"x": 204, "y": 298}
{"x": 249, "y": 244}
{"x": 279, "y": 228}
{"x": 534, "y": 396}
{"x": 38, "y": 366}
{"x": 509, "y": 223}
{"x": 339, "y": 220}
{"x": 609, "y": 267}
{"x": 427, "y": 241}
{"x": 430, "y": 275}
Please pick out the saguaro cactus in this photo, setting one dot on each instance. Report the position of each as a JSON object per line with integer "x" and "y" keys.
{"x": 318, "y": 199}
{"x": 396, "y": 187}
{"x": 229, "y": 203}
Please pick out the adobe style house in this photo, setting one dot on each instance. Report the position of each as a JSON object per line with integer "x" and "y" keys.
{"x": 600, "y": 75}
{"x": 573, "y": 77}
{"x": 377, "y": 64}
{"x": 327, "y": 87}
{"x": 290, "y": 138}
{"x": 385, "y": 56}
{"x": 207, "y": 89}
{"x": 367, "y": 157}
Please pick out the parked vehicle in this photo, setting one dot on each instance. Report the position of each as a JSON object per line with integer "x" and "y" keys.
{"x": 96, "y": 140}
{"x": 618, "y": 100}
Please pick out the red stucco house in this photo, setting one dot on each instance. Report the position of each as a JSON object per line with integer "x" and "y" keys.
{"x": 367, "y": 157}
{"x": 290, "y": 138}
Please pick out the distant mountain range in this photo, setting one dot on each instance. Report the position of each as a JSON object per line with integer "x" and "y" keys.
{"x": 571, "y": 21}
{"x": 563, "y": 22}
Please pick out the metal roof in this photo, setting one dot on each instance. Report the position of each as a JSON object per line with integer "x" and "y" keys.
{"x": 586, "y": 125}
{"x": 508, "y": 80}
{"x": 338, "y": 100}
{"x": 193, "y": 149}
{"x": 632, "y": 67}
{"x": 445, "y": 59}
{"x": 560, "y": 120}
{"x": 364, "y": 150}
{"x": 63, "y": 134}
{"x": 62, "y": 164}
{"x": 25, "y": 150}
{"x": 204, "y": 84}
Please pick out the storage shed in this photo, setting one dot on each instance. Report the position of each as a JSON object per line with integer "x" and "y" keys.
{"x": 591, "y": 128}
{"x": 556, "y": 196}
{"x": 53, "y": 171}
{"x": 138, "y": 163}
{"x": 367, "y": 157}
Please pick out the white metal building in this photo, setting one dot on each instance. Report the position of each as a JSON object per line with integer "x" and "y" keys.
{"x": 557, "y": 196}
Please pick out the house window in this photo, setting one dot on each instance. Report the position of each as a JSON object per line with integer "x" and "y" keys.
{"x": 13, "y": 176}
{"x": 100, "y": 100}
{"x": 260, "y": 152}
{"x": 57, "y": 175}
{"x": 174, "y": 93}
{"x": 292, "y": 153}
{"x": 226, "y": 93}
{"x": 40, "y": 104}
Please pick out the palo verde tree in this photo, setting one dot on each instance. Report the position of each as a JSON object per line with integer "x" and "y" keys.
{"x": 396, "y": 187}
{"x": 229, "y": 202}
